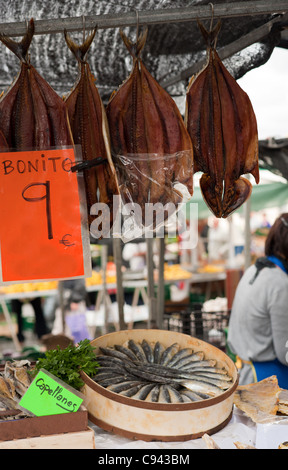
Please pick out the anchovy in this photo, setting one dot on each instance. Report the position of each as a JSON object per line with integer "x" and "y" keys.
{"x": 147, "y": 350}
{"x": 126, "y": 351}
{"x": 114, "y": 380}
{"x": 213, "y": 375}
{"x": 164, "y": 395}
{"x": 194, "y": 364}
{"x": 175, "y": 396}
{"x": 158, "y": 351}
{"x": 123, "y": 386}
{"x": 149, "y": 376}
{"x": 179, "y": 355}
{"x": 197, "y": 356}
{"x": 143, "y": 392}
{"x": 201, "y": 386}
{"x": 193, "y": 396}
{"x": 169, "y": 353}
{"x": 153, "y": 395}
{"x": 132, "y": 391}
{"x": 114, "y": 353}
{"x": 137, "y": 350}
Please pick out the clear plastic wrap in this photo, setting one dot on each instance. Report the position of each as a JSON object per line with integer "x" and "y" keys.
{"x": 153, "y": 187}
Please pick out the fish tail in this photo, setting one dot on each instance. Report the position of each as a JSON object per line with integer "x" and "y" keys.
{"x": 80, "y": 51}
{"x": 212, "y": 194}
{"x": 135, "y": 48}
{"x": 210, "y": 36}
{"x": 235, "y": 195}
{"x": 20, "y": 48}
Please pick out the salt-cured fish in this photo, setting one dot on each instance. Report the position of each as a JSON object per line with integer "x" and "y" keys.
{"x": 148, "y": 371}
{"x": 3, "y": 143}
{"x": 222, "y": 125}
{"x": 89, "y": 127}
{"x": 150, "y": 144}
{"x": 32, "y": 115}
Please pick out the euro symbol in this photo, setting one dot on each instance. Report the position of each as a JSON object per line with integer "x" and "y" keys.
{"x": 64, "y": 240}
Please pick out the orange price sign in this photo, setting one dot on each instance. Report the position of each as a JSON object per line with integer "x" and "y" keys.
{"x": 41, "y": 231}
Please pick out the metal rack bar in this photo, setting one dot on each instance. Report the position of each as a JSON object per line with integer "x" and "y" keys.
{"x": 226, "y": 51}
{"x": 149, "y": 17}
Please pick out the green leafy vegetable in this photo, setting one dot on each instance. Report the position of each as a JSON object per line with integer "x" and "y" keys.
{"x": 67, "y": 363}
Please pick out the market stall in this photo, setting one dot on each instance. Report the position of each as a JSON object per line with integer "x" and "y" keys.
{"x": 131, "y": 386}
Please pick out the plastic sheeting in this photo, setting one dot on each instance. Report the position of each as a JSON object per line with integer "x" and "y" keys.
{"x": 170, "y": 47}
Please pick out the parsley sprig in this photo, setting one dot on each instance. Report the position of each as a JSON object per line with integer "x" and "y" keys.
{"x": 67, "y": 363}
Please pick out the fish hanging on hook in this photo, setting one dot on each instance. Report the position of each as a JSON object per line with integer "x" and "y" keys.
{"x": 32, "y": 115}
{"x": 222, "y": 125}
{"x": 149, "y": 141}
{"x": 89, "y": 126}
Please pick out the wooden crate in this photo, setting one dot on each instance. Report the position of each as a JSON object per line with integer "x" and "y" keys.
{"x": 69, "y": 440}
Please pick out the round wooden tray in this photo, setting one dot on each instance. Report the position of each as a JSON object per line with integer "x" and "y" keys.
{"x": 148, "y": 421}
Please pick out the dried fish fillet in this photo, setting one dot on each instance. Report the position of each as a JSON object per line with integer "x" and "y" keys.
{"x": 150, "y": 143}
{"x": 90, "y": 129}
{"x": 241, "y": 445}
{"x": 222, "y": 125}
{"x": 209, "y": 441}
{"x": 32, "y": 115}
{"x": 258, "y": 400}
{"x": 283, "y": 402}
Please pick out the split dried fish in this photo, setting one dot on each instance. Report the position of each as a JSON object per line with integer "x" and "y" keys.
{"x": 222, "y": 125}
{"x": 14, "y": 381}
{"x": 150, "y": 143}
{"x": 32, "y": 115}
{"x": 89, "y": 126}
{"x": 149, "y": 371}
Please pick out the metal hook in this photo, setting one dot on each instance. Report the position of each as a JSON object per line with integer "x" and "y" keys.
{"x": 84, "y": 33}
{"x": 212, "y": 15}
{"x": 137, "y": 24}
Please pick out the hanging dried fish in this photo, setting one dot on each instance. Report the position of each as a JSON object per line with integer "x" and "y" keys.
{"x": 32, "y": 115}
{"x": 3, "y": 143}
{"x": 223, "y": 128}
{"x": 150, "y": 144}
{"x": 89, "y": 126}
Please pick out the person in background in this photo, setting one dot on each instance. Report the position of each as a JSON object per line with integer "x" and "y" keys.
{"x": 258, "y": 326}
{"x": 40, "y": 323}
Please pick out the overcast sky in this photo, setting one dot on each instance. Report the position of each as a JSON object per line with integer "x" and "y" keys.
{"x": 267, "y": 87}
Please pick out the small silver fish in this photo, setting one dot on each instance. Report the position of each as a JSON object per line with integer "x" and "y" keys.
{"x": 179, "y": 355}
{"x": 148, "y": 351}
{"x": 158, "y": 351}
{"x": 164, "y": 396}
{"x": 137, "y": 349}
{"x": 123, "y": 386}
{"x": 168, "y": 353}
{"x": 175, "y": 396}
{"x": 202, "y": 387}
{"x": 143, "y": 392}
{"x": 125, "y": 351}
{"x": 153, "y": 395}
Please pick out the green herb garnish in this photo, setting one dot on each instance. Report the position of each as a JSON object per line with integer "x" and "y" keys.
{"x": 67, "y": 363}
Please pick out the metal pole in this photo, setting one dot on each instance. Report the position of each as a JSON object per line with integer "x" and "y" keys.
{"x": 104, "y": 284}
{"x": 117, "y": 252}
{"x": 152, "y": 301}
{"x": 148, "y": 17}
{"x": 161, "y": 287}
{"x": 247, "y": 243}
